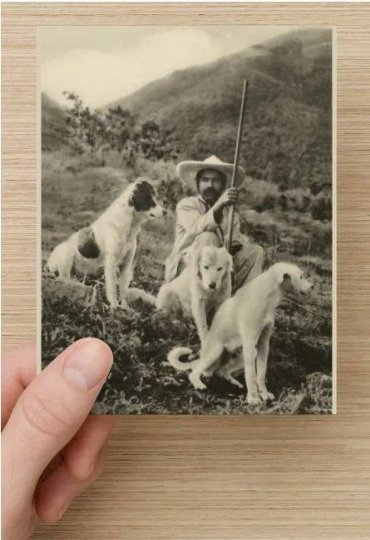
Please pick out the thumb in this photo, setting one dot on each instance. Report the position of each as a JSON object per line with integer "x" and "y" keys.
{"x": 52, "y": 408}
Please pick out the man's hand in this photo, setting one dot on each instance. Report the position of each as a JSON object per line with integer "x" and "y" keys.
{"x": 228, "y": 197}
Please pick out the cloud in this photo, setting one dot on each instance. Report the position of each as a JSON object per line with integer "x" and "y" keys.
{"x": 100, "y": 77}
{"x": 103, "y": 64}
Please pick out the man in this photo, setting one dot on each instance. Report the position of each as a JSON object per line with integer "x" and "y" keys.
{"x": 202, "y": 220}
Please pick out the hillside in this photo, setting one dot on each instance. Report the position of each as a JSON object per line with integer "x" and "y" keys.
{"x": 221, "y": 79}
{"x": 53, "y": 124}
{"x": 287, "y": 135}
{"x": 142, "y": 381}
{"x": 288, "y": 124}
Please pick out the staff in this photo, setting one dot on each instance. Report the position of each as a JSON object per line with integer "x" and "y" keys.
{"x": 230, "y": 224}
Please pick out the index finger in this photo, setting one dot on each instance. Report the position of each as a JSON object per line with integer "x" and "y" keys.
{"x": 18, "y": 370}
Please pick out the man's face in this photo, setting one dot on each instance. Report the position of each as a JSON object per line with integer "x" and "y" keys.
{"x": 210, "y": 185}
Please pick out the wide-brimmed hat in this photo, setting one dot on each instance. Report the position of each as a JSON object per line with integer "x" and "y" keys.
{"x": 187, "y": 170}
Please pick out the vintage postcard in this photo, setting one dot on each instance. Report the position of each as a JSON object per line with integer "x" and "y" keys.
{"x": 188, "y": 213}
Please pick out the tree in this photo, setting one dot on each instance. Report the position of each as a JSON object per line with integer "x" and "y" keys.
{"x": 117, "y": 130}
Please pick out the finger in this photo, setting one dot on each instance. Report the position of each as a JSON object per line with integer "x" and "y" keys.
{"x": 54, "y": 463}
{"x": 81, "y": 454}
{"x": 52, "y": 409}
{"x": 57, "y": 491}
{"x": 18, "y": 370}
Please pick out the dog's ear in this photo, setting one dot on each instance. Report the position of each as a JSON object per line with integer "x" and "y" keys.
{"x": 142, "y": 197}
{"x": 195, "y": 258}
{"x": 285, "y": 278}
{"x": 147, "y": 186}
{"x": 229, "y": 260}
{"x": 194, "y": 262}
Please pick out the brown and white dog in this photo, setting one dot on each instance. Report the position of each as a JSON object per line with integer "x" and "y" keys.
{"x": 200, "y": 288}
{"x": 109, "y": 243}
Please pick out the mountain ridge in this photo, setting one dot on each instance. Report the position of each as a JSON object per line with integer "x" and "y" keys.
{"x": 287, "y": 135}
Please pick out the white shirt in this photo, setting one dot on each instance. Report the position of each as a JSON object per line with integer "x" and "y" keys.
{"x": 195, "y": 216}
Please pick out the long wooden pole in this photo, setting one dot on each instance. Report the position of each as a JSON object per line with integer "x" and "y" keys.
{"x": 230, "y": 223}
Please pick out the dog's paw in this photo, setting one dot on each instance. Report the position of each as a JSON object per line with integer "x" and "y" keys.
{"x": 253, "y": 399}
{"x": 196, "y": 382}
{"x": 267, "y": 396}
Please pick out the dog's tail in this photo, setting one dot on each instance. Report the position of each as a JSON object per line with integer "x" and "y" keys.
{"x": 133, "y": 293}
{"x": 174, "y": 356}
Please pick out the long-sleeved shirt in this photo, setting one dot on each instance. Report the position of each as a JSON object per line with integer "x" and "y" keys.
{"x": 195, "y": 216}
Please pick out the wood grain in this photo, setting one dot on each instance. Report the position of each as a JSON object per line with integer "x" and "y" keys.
{"x": 214, "y": 478}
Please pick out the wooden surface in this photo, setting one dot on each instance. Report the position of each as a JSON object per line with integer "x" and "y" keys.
{"x": 214, "y": 478}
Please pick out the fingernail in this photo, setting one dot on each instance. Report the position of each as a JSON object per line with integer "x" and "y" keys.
{"x": 89, "y": 362}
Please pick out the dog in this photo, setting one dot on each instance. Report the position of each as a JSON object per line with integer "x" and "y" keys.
{"x": 109, "y": 243}
{"x": 247, "y": 320}
{"x": 203, "y": 285}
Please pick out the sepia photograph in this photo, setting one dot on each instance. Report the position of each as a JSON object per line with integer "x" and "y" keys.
{"x": 187, "y": 190}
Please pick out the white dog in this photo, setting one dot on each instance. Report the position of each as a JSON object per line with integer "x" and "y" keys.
{"x": 247, "y": 320}
{"x": 110, "y": 243}
{"x": 201, "y": 287}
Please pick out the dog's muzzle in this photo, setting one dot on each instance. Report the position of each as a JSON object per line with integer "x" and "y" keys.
{"x": 157, "y": 212}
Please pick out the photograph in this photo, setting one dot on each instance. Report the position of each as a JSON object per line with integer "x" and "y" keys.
{"x": 187, "y": 216}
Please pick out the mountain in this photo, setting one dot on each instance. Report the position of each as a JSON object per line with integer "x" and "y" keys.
{"x": 287, "y": 129}
{"x": 222, "y": 78}
{"x": 288, "y": 119}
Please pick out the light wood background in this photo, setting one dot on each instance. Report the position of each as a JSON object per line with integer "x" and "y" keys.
{"x": 229, "y": 477}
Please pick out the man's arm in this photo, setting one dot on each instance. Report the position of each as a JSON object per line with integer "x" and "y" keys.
{"x": 190, "y": 218}
{"x": 228, "y": 197}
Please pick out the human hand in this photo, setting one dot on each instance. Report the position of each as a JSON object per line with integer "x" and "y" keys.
{"x": 52, "y": 450}
{"x": 229, "y": 196}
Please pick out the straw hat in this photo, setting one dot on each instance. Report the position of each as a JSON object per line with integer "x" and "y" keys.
{"x": 187, "y": 170}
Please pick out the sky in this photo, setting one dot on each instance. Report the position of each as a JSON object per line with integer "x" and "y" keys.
{"x": 102, "y": 64}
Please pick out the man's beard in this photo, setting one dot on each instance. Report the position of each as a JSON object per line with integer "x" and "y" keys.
{"x": 210, "y": 194}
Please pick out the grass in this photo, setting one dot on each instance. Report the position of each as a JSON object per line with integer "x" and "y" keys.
{"x": 141, "y": 381}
